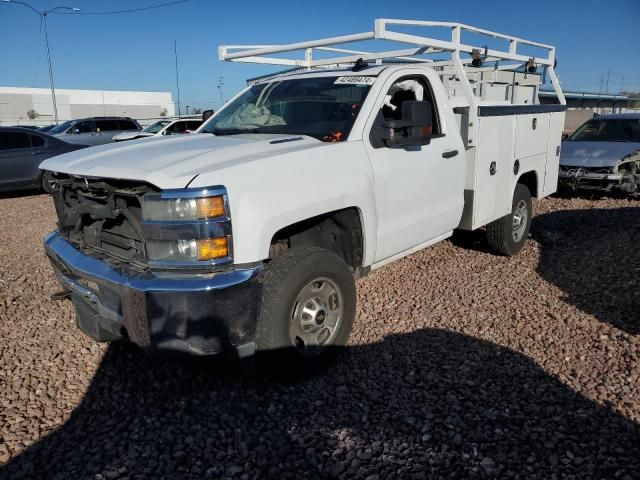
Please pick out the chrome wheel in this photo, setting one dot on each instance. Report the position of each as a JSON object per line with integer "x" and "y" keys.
{"x": 520, "y": 219}
{"x": 316, "y": 316}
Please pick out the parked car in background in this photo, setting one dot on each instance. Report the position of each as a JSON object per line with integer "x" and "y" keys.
{"x": 603, "y": 154}
{"x": 22, "y": 151}
{"x": 94, "y": 130}
{"x": 162, "y": 127}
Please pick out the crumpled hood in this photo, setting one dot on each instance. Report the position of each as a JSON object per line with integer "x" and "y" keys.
{"x": 172, "y": 162}
{"x": 595, "y": 154}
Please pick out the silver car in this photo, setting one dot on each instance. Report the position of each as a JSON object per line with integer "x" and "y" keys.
{"x": 95, "y": 130}
{"x": 21, "y": 153}
{"x": 603, "y": 154}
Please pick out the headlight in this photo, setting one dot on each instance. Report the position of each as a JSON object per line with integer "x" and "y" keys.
{"x": 158, "y": 209}
{"x": 187, "y": 227}
{"x": 188, "y": 250}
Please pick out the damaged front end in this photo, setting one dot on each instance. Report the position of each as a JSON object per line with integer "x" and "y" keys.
{"x": 623, "y": 176}
{"x": 100, "y": 254}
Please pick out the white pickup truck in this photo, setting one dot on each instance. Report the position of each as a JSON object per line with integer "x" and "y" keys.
{"x": 248, "y": 236}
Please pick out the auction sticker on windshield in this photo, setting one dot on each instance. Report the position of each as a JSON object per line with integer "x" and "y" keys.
{"x": 353, "y": 80}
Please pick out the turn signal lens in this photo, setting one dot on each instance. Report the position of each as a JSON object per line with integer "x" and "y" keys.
{"x": 210, "y": 207}
{"x": 213, "y": 248}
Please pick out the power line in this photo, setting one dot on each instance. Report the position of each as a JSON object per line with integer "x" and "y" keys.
{"x": 115, "y": 12}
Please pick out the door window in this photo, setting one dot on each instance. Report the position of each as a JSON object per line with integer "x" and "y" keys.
{"x": 127, "y": 125}
{"x": 84, "y": 127}
{"x": 193, "y": 125}
{"x": 409, "y": 89}
{"x": 107, "y": 125}
{"x": 179, "y": 127}
{"x": 37, "y": 141}
{"x": 14, "y": 141}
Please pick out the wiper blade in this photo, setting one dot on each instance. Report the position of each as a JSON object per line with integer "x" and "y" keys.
{"x": 233, "y": 131}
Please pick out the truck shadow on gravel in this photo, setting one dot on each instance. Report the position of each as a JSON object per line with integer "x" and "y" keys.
{"x": 428, "y": 404}
{"x": 594, "y": 257}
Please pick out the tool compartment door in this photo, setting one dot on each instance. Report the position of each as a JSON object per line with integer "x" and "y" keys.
{"x": 493, "y": 168}
{"x": 532, "y": 132}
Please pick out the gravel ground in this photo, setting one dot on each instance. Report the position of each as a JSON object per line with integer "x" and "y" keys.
{"x": 461, "y": 365}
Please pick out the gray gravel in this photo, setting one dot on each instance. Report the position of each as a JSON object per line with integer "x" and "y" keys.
{"x": 461, "y": 365}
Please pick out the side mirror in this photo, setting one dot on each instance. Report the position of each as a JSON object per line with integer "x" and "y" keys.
{"x": 206, "y": 115}
{"x": 75, "y": 131}
{"x": 565, "y": 136}
{"x": 414, "y": 129}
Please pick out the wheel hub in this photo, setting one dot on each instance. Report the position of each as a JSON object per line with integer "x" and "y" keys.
{"x": 520, "y": 220}
{"x": 316, "y": 316}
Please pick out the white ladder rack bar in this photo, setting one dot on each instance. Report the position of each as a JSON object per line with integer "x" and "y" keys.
{"x": 422, "y": 45}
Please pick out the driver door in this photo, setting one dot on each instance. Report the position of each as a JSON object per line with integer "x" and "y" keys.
{"x": 419, "y": 189}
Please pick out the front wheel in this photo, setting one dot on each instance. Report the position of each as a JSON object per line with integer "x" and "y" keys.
{"x": 507, "y": 235}
{"x": 308, "y": 308}
{"x": 48, "y": 182}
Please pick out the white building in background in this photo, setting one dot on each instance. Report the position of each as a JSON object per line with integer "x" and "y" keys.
{"x": 16, "y": 103}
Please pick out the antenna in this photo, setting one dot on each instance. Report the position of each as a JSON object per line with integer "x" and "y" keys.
{"x": 175, "y": 52}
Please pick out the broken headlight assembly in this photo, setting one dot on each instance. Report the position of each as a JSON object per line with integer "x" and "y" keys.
{"x": 187, "y": 227}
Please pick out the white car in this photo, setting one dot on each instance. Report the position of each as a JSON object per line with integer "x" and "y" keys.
{"x": 162, "y": 127}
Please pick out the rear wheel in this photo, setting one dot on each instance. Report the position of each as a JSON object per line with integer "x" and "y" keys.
{"x": 507, "y": 235}
{"x": 308, "y": 308}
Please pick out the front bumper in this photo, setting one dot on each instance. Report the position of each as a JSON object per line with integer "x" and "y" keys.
{"x": 187, "y": 313}
{"x": 580, "y": 178}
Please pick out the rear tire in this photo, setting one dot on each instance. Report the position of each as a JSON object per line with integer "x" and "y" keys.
{"x": 507, "y": 235}
{"x": 307, "y": 312}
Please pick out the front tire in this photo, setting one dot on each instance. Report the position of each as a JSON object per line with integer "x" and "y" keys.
{"x": 47, "y": 182}
{"x": 507, "y": 235}
{"x": 308, "y": 308}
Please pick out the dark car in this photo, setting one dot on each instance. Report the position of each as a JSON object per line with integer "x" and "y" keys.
{"x": 603, "y": 154}
{"x": 21, "y": 153}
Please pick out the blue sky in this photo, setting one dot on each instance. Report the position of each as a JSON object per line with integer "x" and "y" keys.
{"x": 135, "y": 51}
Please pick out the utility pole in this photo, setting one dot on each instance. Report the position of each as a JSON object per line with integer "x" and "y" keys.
{"x": 220, "y": 85}
{"x": 606, "y": 90}
{"x": 43, "y": 18}
{"x": 175, "y": 52}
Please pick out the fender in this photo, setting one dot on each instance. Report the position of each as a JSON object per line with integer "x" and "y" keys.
{"x": 274, "y": 192}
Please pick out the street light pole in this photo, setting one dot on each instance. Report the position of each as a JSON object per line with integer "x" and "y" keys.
{"x": 53, "y": 89}
{"x": 43, "y": 15}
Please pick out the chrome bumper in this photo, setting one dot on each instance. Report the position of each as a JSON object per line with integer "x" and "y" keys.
{"x": 190, "y": 313}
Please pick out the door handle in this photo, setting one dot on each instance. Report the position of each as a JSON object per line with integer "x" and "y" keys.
{"x": 449, "y": 153}
{"x": 37, "y": 152}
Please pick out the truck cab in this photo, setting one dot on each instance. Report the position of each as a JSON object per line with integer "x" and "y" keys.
{"x": 249, "y": 236}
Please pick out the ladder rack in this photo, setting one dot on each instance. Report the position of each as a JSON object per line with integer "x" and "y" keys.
{"x": 420, "y": 46}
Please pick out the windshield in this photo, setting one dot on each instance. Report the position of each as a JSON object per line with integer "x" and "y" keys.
{"x": 62, "y": 127}
{"x": 321, "y": 107}
{"x": 157, "y": 126}
{"x": 608, "y": 130}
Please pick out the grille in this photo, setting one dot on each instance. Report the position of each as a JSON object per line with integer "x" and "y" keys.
{"x": 102, "y": 215}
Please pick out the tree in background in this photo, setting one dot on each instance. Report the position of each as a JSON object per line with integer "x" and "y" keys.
{"x": 196, "y": 110}
{"x": 163, "y": 112}
{"x": 32, "y": 114}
